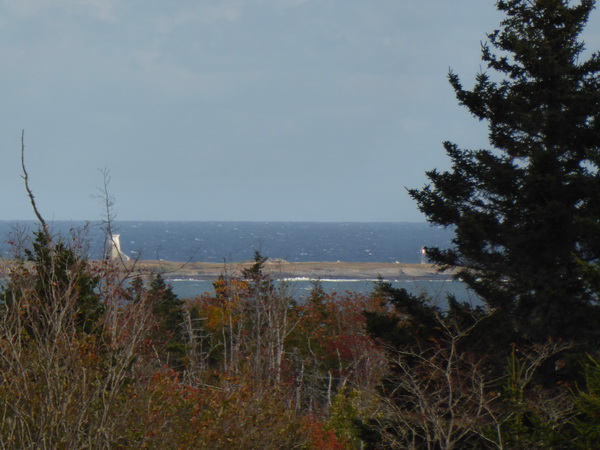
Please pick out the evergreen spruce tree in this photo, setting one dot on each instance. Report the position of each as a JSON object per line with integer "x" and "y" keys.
{"x": 59, "y": 274}
{"x": 527, "y": 211}
{"x": 587, "y": 423}
{"x": 261, "y": 283}
{"x": 167, "y": 309}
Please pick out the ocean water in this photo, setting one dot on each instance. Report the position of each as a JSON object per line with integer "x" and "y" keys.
{"x": 435, "y": 290}
{"x": 237, "y": 241}
{"x": 291, "y": 241}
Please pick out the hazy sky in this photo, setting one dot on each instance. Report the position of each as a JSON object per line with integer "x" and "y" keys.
{"x": 303, "y": 110}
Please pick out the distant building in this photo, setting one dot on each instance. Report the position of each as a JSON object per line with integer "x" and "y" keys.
{"x": 114, "y": 248}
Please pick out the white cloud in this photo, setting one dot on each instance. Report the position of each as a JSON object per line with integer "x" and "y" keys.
{"x": 100, "y": 9}
{"x": 26, "y": 7}
{"x": 224, "y": 10}
{"x": 282, "y": 3}
{"x": 146, "y": 59}
{"x": 227, "y": 10}
{"x": 156, "y": 70}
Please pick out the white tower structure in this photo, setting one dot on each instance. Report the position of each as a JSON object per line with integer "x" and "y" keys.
{"x": 114, "y": 246}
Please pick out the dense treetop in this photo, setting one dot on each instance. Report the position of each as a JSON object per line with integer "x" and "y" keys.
{"x": 527, "y": 210}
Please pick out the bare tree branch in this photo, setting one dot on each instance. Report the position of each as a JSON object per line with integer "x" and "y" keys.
{"x": 25, "y": 177}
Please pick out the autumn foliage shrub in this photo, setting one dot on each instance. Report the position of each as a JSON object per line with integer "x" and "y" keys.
{"x": 251, "y": 367}
{"x": 92, "y": 355}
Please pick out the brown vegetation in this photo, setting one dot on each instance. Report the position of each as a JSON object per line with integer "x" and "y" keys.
{"x": 312, "y": 270}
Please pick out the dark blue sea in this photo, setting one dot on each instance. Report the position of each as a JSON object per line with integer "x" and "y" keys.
{"x": 291, "y": 241}
{"x": 237, "y": 241}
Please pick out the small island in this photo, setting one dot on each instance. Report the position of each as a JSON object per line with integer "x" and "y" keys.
{"x": 310, "y": 270}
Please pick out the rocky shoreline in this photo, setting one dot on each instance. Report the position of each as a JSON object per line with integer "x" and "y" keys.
{"x": 310, "y": 270}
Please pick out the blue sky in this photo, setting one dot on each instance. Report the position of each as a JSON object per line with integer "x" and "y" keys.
{"x": 267, "y": 110}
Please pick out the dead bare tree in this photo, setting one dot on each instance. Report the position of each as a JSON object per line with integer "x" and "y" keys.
{"x": 62, "y": 371}
{"x": 443, "y": 396}
{"x": 440, "y": 395}
{"x": 25, "y": 177}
